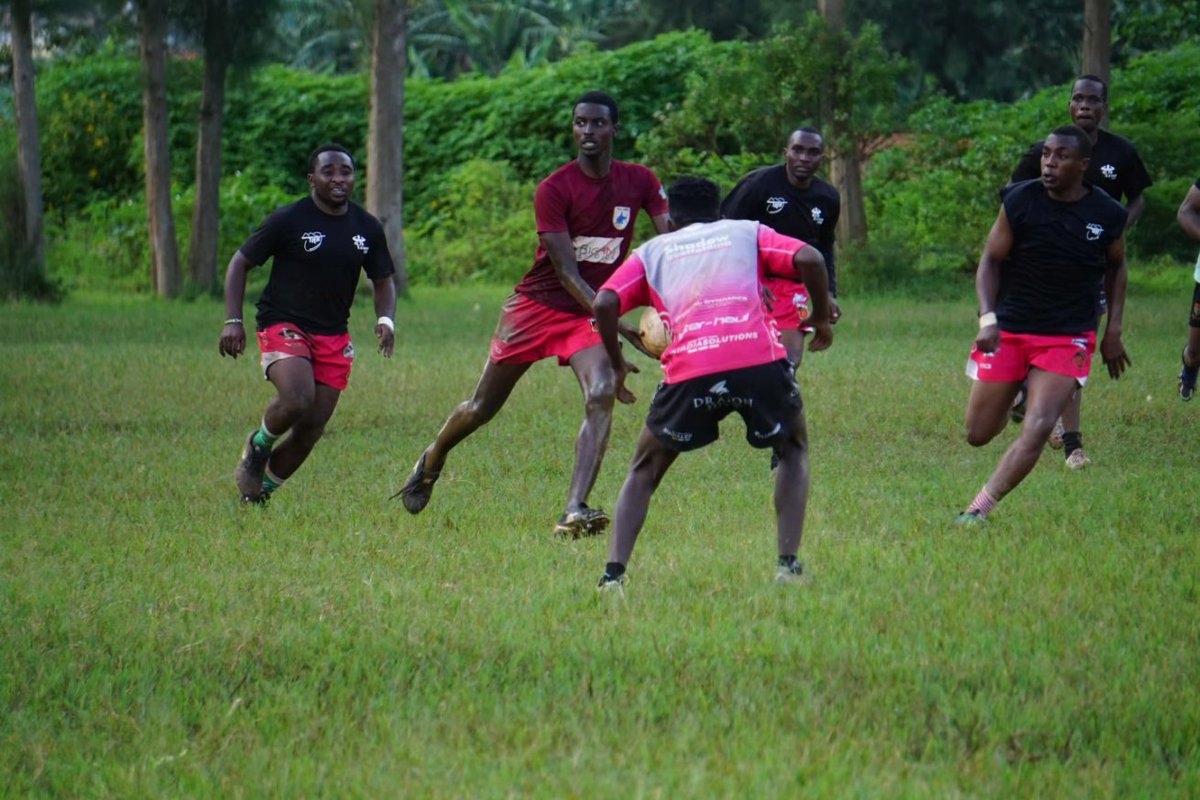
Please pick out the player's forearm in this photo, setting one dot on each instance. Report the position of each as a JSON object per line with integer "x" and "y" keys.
{"x": 813, "y": 272}
{"x": 1134, "y": 211}
{"x": 607, "y": 308}
{"x": 1189, "y": 213}
{"x": 385, "y": 297}
{"x": 235, "y": 285}
{"x": 987, "y": 284}
{"x": 1115, "y": 281}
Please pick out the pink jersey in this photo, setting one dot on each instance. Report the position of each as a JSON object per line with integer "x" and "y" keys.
{"x": 706, "y": 283}
{"x": 598, "y": 214}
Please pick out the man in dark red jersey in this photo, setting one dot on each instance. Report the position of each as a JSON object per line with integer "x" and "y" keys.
{"x": 319, "y": 245}
{"x": 585, "y": 216}
{"x": 1038, "y": 287}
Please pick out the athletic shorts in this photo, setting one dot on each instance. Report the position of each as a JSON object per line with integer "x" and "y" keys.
{"x": 684, "y": 415}
{"x": 331, "y": 356}
{"x": 1194, "y": 319}
{"x": 529, "y": 331}
{"x": 1064, "y": 355}
{"x": 792, "y": 305}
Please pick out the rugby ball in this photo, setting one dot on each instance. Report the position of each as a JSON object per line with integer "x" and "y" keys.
{"x": 654, "y": 333}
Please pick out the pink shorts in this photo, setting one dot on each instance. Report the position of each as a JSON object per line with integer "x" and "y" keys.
{"x": 330, "y": 356}
{"x": 792, "y": 305}
{"x": 529, "y": 331}
{"x": 1064, "y": 355}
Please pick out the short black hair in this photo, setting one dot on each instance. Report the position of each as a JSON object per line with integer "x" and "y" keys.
{"x": 1094, "y": 79}
{"x": 694, "y": 200}
{"x": 807, "y": 129}
{"x": 601, "y": 99}
{"x": 1082, "y": 142}
{"x": 329, "y": 147}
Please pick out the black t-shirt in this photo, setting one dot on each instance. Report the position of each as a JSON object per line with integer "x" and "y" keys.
{"x": 810, "y": 215}
{"x": 1115, "y": 167}
{"x": 317, "y": 261}
{"x": 1050, "y": 282}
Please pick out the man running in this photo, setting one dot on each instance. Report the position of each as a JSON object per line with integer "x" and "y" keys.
{"x": 320, "y": 244}
{"x": 1038, "y": 287}
{"x": 705, "y": 279}
{"x": 790, "y": 198}
{"x": 1189, "y": 220}
{"x": 1115, "y": 167}
{"x": 585, "y": 217}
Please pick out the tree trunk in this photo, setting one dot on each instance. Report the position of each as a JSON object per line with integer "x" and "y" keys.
{"x": 385, "y": 131}
{"x": 164, "y": 252}
{"x": 206, "y": 214}
{"x": 1097, "y": 41}
{"x": 29, "y": 155}
{"x": 845, "y": 162}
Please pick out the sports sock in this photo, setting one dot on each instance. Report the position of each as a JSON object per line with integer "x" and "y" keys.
{"x": 271, "y": 482}
{"x": 1072, "y": 441}
{"x": 982, "y": 504}
{"x": 613, "y": 570}
{"x": 264, "y": 438}
{"x": 787, "y": 561}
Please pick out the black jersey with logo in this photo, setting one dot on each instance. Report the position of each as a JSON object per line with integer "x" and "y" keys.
{"x": 1050, "y": 282}
{"x": 1115, "y": 167}
{"x": 810, "y": 215}
{"x": 317, "y": 261}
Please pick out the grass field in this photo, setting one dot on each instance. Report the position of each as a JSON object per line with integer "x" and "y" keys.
{"x": 160, "y": 640}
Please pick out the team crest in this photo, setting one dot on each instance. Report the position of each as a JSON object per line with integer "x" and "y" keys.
{"x": 1109, "y": 172}
{"x": 776, "y": 204}
{"x": 621, "y": 217}
{"x": 1094, "y": 231}
{"x": 817, "y": 216}
{"x": 361, "y": 243}
{"x": 312, "y": 240}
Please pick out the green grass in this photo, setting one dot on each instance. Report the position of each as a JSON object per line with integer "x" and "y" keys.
{"x": 159, "y": 640}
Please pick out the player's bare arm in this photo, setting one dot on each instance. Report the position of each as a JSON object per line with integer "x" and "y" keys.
{"x": 233, "y": 334}
{"x": 1189, "y": 213}
{"x": 987, "y": 280}
{"x": 809, "y": 262}
{"x": 385, "y": 310}
{"x": 1112, "y": 349}
{"x": 607, "y": 309}
{"x": 1133, "y": 211}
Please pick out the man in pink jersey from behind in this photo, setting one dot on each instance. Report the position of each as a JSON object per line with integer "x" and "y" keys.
{"x": 585, "y": 218}
{"x": 705, "y": 279}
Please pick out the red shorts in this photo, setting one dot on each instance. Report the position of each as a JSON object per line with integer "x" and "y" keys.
{"x": 792, "y": 305}
{"x": 330, "y": 356}
{"x": 529, "y": 331}
{"x": 1064, "y": 355}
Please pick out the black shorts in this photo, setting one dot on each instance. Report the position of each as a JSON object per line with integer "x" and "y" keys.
{"x": 684, "y": 415}
{"x": 1194, "y": 319}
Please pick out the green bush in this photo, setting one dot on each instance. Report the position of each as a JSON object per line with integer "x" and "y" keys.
{"x": 482, "y": 228}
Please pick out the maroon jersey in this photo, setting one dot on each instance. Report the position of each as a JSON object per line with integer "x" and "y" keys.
{"x": 598, "y": 214}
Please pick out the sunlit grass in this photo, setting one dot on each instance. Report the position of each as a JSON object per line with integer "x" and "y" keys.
{"x": 160, "y": 640}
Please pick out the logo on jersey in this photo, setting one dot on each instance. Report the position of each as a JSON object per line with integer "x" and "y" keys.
{"x": 718, "y": 388}
{"x": 776, "y": 204}
{"x": 818, "y": 217}
{"x": 361, "y": 243}
{"x": 312, "y": 240}
{"x": 597, "y": 249}
{"x": 621, "y": 217}
{"x": 1094, "y": 231}
{"x": 1109, "y": 172}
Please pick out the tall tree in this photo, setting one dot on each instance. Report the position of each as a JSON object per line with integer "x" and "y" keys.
{"x": 1097, "y": 38}
{"x": 164, "y": 252}
{"x": 229, "y": 30}
{"x": 845, "y": 163}
{"x": 29, "y": 158}
{"x": 385, "y": 130}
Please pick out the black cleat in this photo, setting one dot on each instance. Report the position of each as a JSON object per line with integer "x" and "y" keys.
{"x": 418, "y": 488}
{"x": 249, "y": 472}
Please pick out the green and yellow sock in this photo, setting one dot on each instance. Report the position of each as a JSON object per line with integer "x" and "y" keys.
{"x": 271, "y": 482}
{"x": 264, "y": 438}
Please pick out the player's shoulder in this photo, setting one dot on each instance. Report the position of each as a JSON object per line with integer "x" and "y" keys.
{"x": 1103, "y": 202}
{"x": 1114, "y": 141}
{"x": 632, "y": 168}
{"x": 1023, "y": 191}
{"x": 824, "y": 189}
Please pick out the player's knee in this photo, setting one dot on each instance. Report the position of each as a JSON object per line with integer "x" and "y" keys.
{"x": 977, "y": 436}
{"x": 297, "y": 403}
{"x": 479, "y": 411}
{"x": 601, "y": 394}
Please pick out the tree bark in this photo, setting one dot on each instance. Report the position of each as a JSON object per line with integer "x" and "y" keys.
{"x": 206, "y": 214}
{"x": 29, "y": 154}
{"x": 164, "y": 252}
{"x": 845, "y": 162}
{"x": 385, "y": 130}
{"x": 1097, "y": 41}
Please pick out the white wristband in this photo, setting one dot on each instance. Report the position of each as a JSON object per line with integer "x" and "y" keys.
{"x": 987, "y": 319}
{"x": 387, "y": 323}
